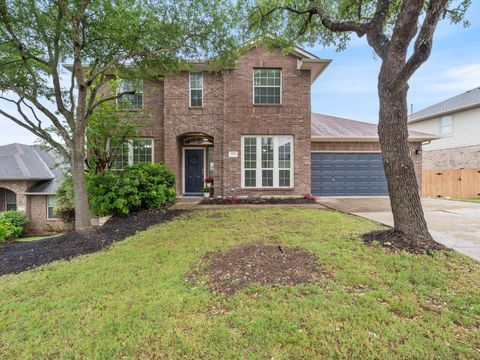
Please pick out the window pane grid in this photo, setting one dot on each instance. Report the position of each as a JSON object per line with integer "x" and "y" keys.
{"x": 267, "y": 159}
{"x": 142, "y": 151}
{"x": 130, "y": 101}
{"x": 138, "y": 151}
{"x": 121, "y": 158}
{"x": 196, "y": 89}
{"x": 267, "y": 86}
{"x": 51, "y": 207}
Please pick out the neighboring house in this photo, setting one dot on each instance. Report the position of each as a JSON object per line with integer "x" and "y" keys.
{"x": 252, "y": 130}
{"x": 29, "y": 178}
{"x": 456, "y": 121}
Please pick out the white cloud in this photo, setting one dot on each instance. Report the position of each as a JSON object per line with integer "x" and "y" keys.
{"x": 456, "y": 79}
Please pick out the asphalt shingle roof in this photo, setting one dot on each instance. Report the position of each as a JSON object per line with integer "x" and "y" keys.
{"x": 468, "y": 99}
{"x": 335, "y": 127}
{"x": 30, "y": 162}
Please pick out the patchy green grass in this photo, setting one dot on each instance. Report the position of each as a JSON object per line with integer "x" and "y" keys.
{"x": 132, "y": 301}
{"x": 476, "y": 200}
{"x": 38, "y": 237}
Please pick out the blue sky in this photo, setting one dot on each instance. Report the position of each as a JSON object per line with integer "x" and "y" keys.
{"x": 348, "y": 87}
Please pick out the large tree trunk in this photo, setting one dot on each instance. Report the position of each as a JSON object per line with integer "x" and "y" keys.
{"x": 403, "y": 188}
{"x": 82, "y": 209}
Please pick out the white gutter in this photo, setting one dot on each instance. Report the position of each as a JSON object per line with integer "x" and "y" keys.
{"x": 451, "y": 111}
{"x": 362, "y": 139}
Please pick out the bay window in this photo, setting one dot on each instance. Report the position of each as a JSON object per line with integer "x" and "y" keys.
{"x": 267, "y": 161}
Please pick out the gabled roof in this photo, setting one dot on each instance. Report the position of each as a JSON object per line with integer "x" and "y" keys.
{"x": 467, "y": 100}
{"x": 332, "y": 128}
{"x": 22, "y": 162}
{"x": 31, "y": 163}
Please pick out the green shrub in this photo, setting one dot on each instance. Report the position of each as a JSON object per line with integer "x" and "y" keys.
{"x": 9, "y": 231}
{"x": 12, "y": 224}
{"x": 3, "y": 230}
{"x": 140, "y": 186}
{"x": 64, "y": 206}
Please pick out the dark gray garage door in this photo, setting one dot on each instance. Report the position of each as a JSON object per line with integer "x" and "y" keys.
{"x": 348, "y": 174}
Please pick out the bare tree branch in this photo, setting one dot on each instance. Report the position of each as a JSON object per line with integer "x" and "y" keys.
{"x": 423, "y": 42}
{"x": 36, "y": 129}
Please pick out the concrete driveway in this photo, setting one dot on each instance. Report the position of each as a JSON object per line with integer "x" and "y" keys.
{"x": 456, "y": 224}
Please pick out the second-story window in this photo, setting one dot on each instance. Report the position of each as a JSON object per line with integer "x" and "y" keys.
{"x": 196, "y": 89}
{"x": 446, "y": 125}
{"x": 267, "y": 86}
{"x": 130, "y": 101}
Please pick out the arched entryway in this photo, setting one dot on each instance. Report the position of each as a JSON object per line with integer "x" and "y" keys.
{"x": 197, "y": 161}
{"x": 8, "y": 200}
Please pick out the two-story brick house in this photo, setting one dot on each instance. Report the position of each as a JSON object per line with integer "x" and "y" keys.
{"x": 250, "y": 128}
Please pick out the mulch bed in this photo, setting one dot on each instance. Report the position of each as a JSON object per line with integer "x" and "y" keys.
{"x": 21, "y": 256}
{"x": 256, "y": 263}
{"x": 231, "y": 200}
{"x": 396, "y": 241}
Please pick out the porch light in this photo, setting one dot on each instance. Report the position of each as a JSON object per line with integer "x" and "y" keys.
{"x": 197, "y": 140}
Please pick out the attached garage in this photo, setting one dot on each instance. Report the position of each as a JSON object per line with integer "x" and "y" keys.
{"x": 346, "y": 159}
{"x": 348, "y": 174}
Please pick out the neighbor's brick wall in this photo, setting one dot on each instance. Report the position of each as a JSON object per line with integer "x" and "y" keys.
{"x": 18, "y": 187}
{"x": 374, "y": 147}
{"x": 34, "y": 206}
{"x": 38, "y": 216}
{"x": 462, "y": 157}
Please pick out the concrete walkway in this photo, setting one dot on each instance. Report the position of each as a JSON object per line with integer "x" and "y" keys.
{"x": 455, "y": 224}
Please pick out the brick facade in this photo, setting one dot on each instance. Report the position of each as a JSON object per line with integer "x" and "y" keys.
{"x": 455, "y": 158}
{"x": 38, "y": 221}
{"x": 34, "y": 206}
{"x": 373, "y": 147}
{"x": 227, "y": 114}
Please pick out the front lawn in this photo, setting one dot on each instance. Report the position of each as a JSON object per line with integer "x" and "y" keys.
{"x": 132, "y": 301}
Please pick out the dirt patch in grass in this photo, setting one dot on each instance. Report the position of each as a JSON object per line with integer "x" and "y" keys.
{"x": 21, "y": 256}
{"x": 396, "y": 241}
{"x": 241, "y": 266}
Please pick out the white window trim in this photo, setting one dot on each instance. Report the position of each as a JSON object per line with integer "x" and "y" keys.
{"x": 444, "y": 126}
{"x": 190, "y": 89}
{"x": 132, "y": 109}
{"x": 130, "y": 152}
{"x": 253, "y": 86}
{"x": 275, "y": 162}
{"x": 48, "y": 217}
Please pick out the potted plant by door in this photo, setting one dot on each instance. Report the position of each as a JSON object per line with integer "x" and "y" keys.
{"x": 206, "y": 192}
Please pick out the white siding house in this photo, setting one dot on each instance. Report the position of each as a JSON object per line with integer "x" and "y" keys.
{"x": 457, "y": 123}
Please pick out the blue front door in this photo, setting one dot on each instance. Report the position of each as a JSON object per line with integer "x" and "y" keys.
{"x": 193, "y": 170}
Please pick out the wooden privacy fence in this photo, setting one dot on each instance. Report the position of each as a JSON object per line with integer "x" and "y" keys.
{"x": 453, "y": 183}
